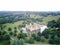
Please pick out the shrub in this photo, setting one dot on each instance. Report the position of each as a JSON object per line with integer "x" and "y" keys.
{"x": 34, "y": 36}
{"x": 3, "y": 32}
{"x": 42, "y": 39}
{"x": 31, "y": 40}
{"x": 55, "y": 40}
{"x": 38, "y": 38}
{"x": 39, "y": 34}
{"x": 18, "y": 42}
{"x": 6, "y": 37}
{"x": 15, "y": 34}
{"x": 10, "y": 33}
{"x": 9, "y": 29}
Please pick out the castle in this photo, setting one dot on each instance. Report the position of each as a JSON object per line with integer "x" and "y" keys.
{"x": 34, "y": 27}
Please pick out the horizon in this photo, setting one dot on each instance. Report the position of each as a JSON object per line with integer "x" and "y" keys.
{"x": 29, "y": 11}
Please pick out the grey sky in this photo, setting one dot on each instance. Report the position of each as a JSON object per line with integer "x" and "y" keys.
{"x": 29, "y": 5}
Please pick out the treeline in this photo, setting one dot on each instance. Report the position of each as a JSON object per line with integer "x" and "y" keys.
{"x": 31, "y": 12}
{"x": 10, "y": 13}
{"x": 13, "y": 16}
{"x": 10, "y": 18}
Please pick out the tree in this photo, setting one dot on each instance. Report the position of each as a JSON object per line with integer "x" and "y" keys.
{"x": 1, "y": 35}
{"x": 33, "y": 35}
{"x": 55, "y": 40}
{"x": 58, "y": 23}
{"x": 15, "y": 29}
{"x": 52, "y": 32}
{"x": 39, "y": 34}
{"x": 22, "y": 35}
{"x": 3, "y": 32}
{"x": 7, "y": 37}
{"x": 9, "y": 29}
{"x": 1, "y": 26}
{"x": 54, "y": 23}
{"x": 11, "y": 33}
{"x": 4, "y": 37}
{"x": 15, "y": 34}
{"x": 36, "y": 37}
{"x": 51, "y": 24}
{"x": 58, "y": 32}
{"x": 46, "y": 33}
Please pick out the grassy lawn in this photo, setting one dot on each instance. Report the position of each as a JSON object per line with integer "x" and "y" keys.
{"x": 35, "y": 16}
{"x": 3, "y": 43}
{"x": 49, "y": 18}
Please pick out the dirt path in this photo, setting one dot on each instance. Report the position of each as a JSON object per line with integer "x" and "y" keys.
{"x": 38, "y": 44}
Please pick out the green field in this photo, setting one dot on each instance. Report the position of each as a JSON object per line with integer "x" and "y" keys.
{"x": 18, "y": 23}
{"x": 45, "y": 21}
{"x": 49, "y": 18}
